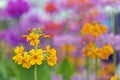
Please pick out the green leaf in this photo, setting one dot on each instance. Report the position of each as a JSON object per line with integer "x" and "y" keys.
{"x": 66, "y": 69}
{"x": 44, "y": 71}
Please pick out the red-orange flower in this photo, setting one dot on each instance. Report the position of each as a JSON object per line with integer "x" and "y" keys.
{"x": 50, "y": 7}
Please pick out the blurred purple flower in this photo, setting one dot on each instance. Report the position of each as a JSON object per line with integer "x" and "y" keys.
{"x": 56, "y": 77}
{"x": 82, "y": 76}
{"x": 65, "y": 39}
{"x": 16, "y": 8}
{"x": 111, "y": 38}
{"x": 84, "y": 40}
{"x": 29, "y": 22}
{"x": 11, "y": 37}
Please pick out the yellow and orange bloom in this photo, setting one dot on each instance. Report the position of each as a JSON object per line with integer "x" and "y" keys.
{"x": 52, "y": 60}
{"x": 33, "y": 38}
{"x": 93, "y": 51}
{"x": 25, "y": 61}
{"x": 114, "y": 77}
{"x": 19, "y": 50}
{"x": 50, "y": 51}
{"x": 36, "y": 57}
{"x": 93, "y": 29}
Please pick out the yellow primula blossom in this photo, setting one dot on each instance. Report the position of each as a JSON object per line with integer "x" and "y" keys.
{"x": 103, "y": 28}
{"x": 96, "y": 30}
{"x": 51, "y": 59}
{"x": 19, "y": 50}
{"x": 33, "y": 38}
{"x": 93, "y": 51}
{"x": 24, "y": 60}
{"x": 93, "y": 29}
{"x": 114, "y": 77}
{"x": 86, "y": 29}
{"x": 36, "y": 57}
{"x": 50, "y": 51}
{"x": 105, "y": 51}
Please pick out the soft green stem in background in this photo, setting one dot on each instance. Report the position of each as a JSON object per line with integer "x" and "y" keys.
{"x": 113, "y": 30}
{"x": 96, "y": 68}
{"x": 35, "y": 66}
{"x": 87, "y": 67}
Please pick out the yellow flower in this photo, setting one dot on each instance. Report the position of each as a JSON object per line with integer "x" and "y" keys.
{"x": 17, "y": 57}
{"x": 33, "y": 38}
{"x": 24, "y": 60}
{"x": 105, "y": 51}
{"x": 52, "y": 60}
{"x": 108, "y": 48}
{"x": 50, "y": 51}
{"x": 93, "y": 29}
{"x": 103, "y": 29}
{"x": 96, "y": 31}
{"x": 19, "y": 50}
{"x": 86, "y": 29}
{"x": 36, "y": 57}
{"x": 114, "y": 77}
{"x": 93, "y": 52}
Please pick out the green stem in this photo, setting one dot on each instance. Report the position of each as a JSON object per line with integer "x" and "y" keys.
{"x": 87, "y": 67}
{"x": 35, "y": 72}
{"x": 113, "y": 30}
{"x": 96, "y": 68}
{"x": 35, "y": 66}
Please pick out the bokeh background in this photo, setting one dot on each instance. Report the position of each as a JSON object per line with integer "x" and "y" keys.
{"x": 62, "y": 20}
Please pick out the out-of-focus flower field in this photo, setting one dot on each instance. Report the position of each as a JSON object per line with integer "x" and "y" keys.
{"x": 59, "y": 39}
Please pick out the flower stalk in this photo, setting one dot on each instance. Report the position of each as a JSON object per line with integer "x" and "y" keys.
{"x": 87, "y": 67}
{"x": 96, "y": 68}
{"x": 113, "y": 30}
{"x": 35, "y": 72}
{"x": 35, "y": 66}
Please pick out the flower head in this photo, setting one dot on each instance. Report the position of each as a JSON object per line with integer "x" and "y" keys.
{"x": 36, "y": 57}
{"x": 51, "y": 58}
{"x": 19, "y": 50}
{"x": 94, "y": 29}
{"x": 24, "y": 60}
{"x": 33, "y": 38}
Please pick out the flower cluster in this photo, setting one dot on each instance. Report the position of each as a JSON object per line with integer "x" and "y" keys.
{"x": 91, "y": 49}
{"x": 35, "y": 56}
{"x": 95, "y": 52}
{"x": 94, "y": 29}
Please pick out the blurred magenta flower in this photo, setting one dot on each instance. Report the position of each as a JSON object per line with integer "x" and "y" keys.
{"x": 16, "y": 8}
